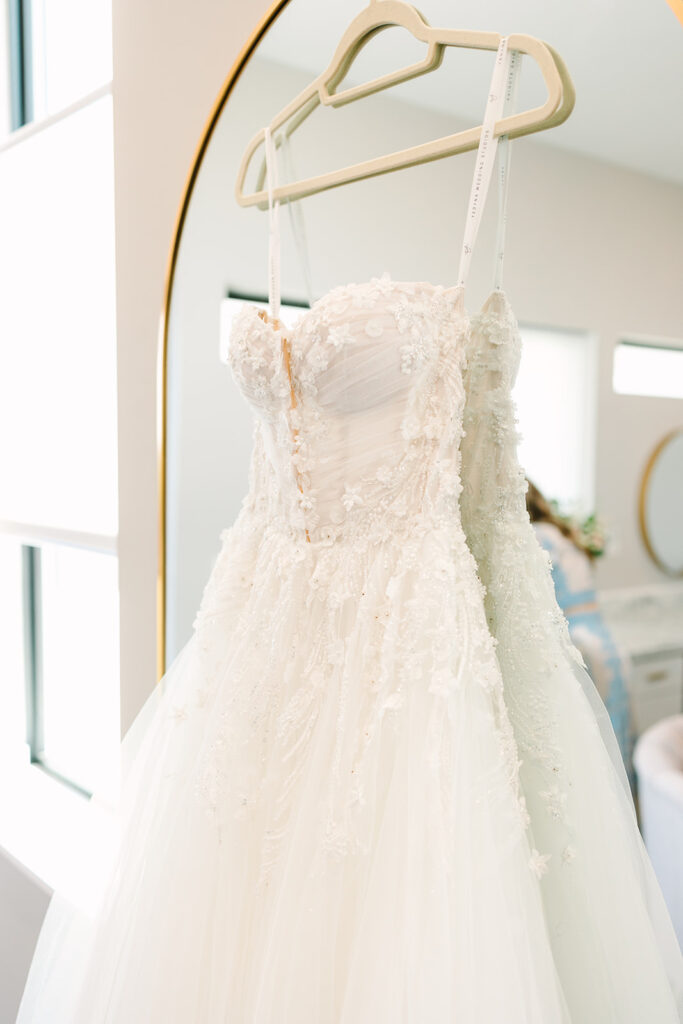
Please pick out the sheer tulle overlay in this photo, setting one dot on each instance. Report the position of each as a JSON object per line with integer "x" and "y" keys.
{"x": 377, "y": 784}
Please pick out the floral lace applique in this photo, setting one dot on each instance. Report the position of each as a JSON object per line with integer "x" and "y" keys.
{"x": 340, "y": 335}
{"x": 398, "y": 512}
{"x": 521, "y": 608}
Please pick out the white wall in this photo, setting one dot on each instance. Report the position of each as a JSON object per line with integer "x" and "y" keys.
{"x": 24, "y": 900}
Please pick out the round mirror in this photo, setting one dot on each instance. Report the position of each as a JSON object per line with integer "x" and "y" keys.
{"x": 570, "y": 190}
{"x": 661, "y": 504}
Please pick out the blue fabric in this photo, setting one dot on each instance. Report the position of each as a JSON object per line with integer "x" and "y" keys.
{"x": 606, "y": 664}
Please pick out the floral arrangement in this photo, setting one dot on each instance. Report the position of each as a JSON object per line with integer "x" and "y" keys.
{"x": 589, "y": 532}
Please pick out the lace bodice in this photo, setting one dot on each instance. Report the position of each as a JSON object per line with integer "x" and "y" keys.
{"x": 359, "y": 406}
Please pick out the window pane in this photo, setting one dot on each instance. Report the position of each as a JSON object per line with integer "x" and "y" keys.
{"x": 12, "y": 678}
{"x": 80, "y": 677}
{"x": 70, "y": 51}
{"x": 5, "y": 72}
{"x": 554, "y": 393}
{"x": 642, "y": 369}
{"x": 57, "y": 326}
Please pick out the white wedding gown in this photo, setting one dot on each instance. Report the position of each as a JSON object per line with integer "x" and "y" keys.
{"x": 377, "y": 785}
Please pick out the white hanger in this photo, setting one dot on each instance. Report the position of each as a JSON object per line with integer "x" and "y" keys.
{"x": 379, "y": 15}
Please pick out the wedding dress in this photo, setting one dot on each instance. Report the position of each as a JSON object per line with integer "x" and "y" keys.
{"x": 377, "y": 785}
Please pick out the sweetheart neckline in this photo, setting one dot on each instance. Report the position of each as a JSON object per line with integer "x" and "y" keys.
{"x": 436, "y": 290}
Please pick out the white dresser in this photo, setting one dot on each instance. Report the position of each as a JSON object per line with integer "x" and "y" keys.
{"x": 647, "y": 624}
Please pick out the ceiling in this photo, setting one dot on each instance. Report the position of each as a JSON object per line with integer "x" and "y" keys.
{"x": 625, "y": 58}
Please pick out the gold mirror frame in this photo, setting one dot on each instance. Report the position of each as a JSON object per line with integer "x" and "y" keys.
{"x": 162, "y": 354}
{"x": 647, "y": 474}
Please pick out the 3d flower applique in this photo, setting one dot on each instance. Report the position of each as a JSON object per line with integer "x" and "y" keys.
{"x": 413, "y": 352}
{"x": 568, "y": 854}
{"x": 538, "y": 862}
{"x": 339, "y": 335}
{"x": 411, "y": 426}
{"x": 297, "y": 552}
{"x": 523, "y": 810}
{"x": 402, "y": 311}
{"x": 384, "y": 284}
{"x": 351, "y": 497}
{"x": 384, "y": 474}
{"x": 300, "y": 460}
{"x": 311, "y": 321}
{"x": 374, "y": 328}
{"x": 178, "y": 712}
{"x": 555, "y": 801}
{"x": 304, "y": 502}
{"x": 317, "y": 358}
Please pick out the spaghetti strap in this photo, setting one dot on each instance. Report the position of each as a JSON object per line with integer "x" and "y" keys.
{"x": 297, "y": 221}
{"x": 504, "y": 156}
{"x": 501, "y": 96}
{"x": 273, "y": 228}
{"x": 298, "y": 226}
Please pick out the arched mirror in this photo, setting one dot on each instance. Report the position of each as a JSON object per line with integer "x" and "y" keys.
{"x": 565, "y": 185}
{"x": 661, "y": 504}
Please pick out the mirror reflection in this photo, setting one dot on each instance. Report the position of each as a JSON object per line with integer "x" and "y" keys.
{"x": 662, "y": 504}
{"x": 593, "y": 223}
{"x": 577, "y": 238}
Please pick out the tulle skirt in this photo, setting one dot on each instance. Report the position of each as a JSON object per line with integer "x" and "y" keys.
{"x": 346, "y": 804}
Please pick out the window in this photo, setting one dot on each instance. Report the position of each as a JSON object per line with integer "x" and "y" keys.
{"x": 71, "y": 668}
{"x": 70, "y": 43}
{"x": 648, "y": 368}
{"x": 55, "y": 53}
{"x": 555, "y": 393}
{"x": 59, "y": 688}
{"x": 12, "y": 671}
{"x": 6, "y": 69}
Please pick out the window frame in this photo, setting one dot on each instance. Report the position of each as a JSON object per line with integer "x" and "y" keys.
{"x": 643, "y": 342}
{"x": 20, "y": 63}
{"x": 30, "y": 541}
